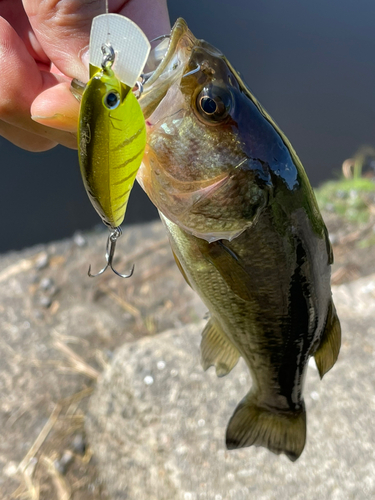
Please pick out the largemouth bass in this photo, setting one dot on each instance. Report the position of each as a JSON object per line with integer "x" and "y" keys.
{"x": 247, "y": 235}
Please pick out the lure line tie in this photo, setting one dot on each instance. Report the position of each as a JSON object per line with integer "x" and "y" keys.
{"x": 108, "y": 55}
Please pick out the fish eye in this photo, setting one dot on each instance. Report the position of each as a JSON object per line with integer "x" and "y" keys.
{"x": 111, "y": 100}
{"x": 208, "y": 105}
{"x": 214, "y": 103}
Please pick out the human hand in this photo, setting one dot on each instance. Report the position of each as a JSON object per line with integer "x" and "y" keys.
{"x": 43, "y": 45}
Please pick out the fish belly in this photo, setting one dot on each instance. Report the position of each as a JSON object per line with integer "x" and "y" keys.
{"x": 238, "y": 319}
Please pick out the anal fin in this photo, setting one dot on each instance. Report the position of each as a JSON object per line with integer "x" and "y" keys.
{"x": 329, "y": 347}
{"x": 280, "y": 432}
{"x": 217, "y": 350}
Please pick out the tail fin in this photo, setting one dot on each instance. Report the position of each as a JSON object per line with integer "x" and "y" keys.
{"x": 280, "y": 432}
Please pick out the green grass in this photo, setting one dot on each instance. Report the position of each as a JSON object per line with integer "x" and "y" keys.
{"x": 348, "y": 198}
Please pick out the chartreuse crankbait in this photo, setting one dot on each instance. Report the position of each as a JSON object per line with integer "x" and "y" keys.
{"x": 111, "y": 128}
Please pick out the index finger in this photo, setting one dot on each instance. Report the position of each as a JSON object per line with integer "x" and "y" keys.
{"x": 62, "y": 27}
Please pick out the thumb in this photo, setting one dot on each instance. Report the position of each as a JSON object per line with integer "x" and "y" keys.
{"x": 62, "y": 28}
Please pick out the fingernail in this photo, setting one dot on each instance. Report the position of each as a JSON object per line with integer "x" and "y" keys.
{"x": 38, "y": 118}
{"x": 58, "y": 120}
{"x": 85, "y": 56}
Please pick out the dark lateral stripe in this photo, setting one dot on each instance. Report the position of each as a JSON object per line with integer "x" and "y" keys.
{"x": 126, "y": 178}
{"x": 126, "y": 142}
{"x": 123, "y": 194}
{"x": 122, "y": 206}
{"x": 129, "y": 160}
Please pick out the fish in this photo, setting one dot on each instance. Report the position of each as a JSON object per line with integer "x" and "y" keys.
{"x": 246, "y": 233}
{"x": 111, "y": 142}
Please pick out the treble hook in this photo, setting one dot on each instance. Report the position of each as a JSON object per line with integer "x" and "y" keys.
{"x": 114, "y": 235}
{"x": 161, "y": 37}
{"x": 139, "y": 90}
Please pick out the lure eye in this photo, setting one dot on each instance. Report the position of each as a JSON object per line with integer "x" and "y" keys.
{"x": 111, "y": 100}
{"x": 214, "y": 103}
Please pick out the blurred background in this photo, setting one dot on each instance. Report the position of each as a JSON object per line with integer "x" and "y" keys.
{"x": 311, "y": 64}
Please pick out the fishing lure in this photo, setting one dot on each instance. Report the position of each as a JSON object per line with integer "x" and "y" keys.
{"x": 111, "y": 142}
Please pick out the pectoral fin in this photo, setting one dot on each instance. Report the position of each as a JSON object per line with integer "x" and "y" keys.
{"x": 230, "y": 267}
{"x": 217, "y": 350}
{"x": 328, "y": 350}
{"x": 181, "y": 268}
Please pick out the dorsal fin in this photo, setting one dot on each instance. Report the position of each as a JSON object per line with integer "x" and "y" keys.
{"x": 329, "y": 246}
{"x": 329, "y": 347}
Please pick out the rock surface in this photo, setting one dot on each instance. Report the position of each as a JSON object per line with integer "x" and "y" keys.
{"x": 58, "y": 330}
{"x": 157, "y": 422}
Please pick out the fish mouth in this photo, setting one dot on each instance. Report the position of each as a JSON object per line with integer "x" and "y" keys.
{"x": 179, "y": 29}
{"x": 170, "y": 69}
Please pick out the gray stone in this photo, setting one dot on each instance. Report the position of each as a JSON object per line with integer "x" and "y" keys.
{"x": 156, "y": 421}
{"x": 50, "y": 313}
